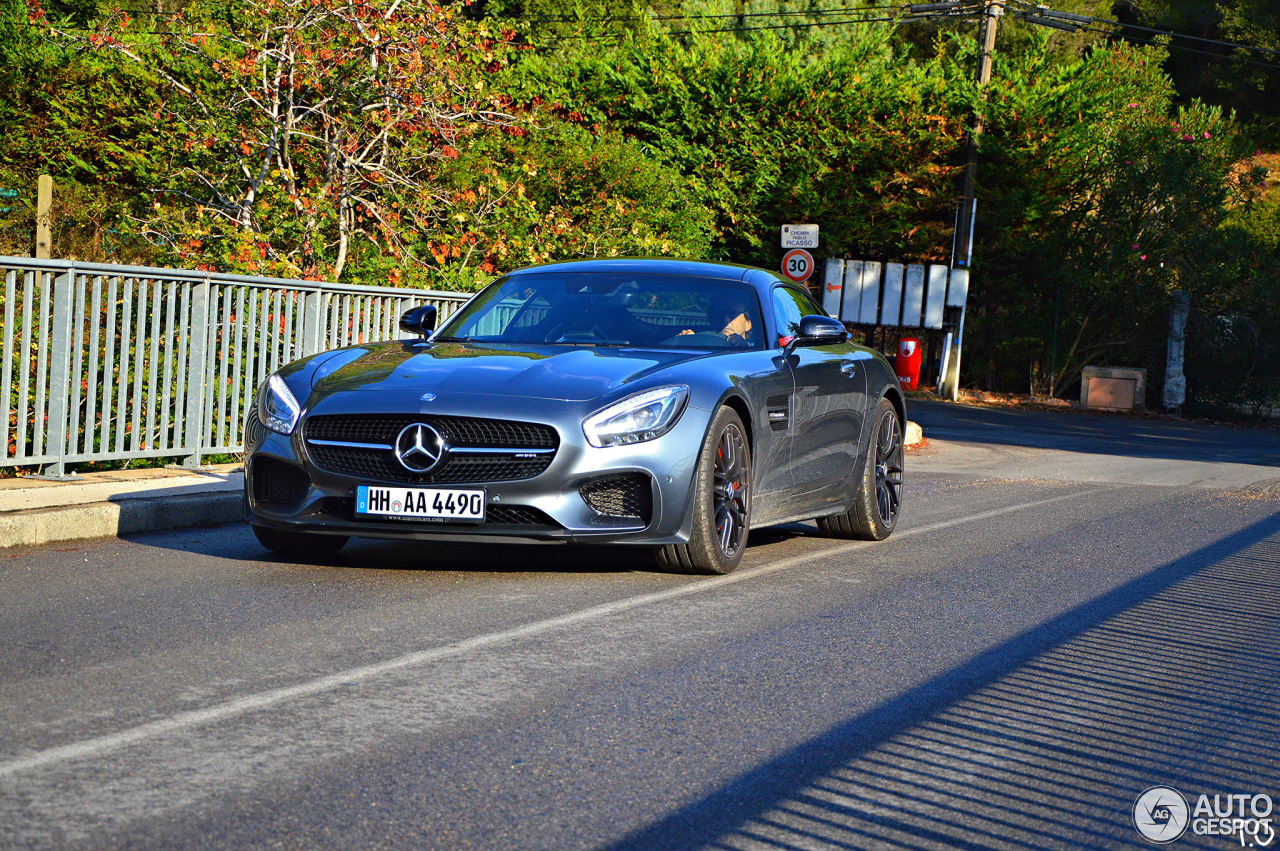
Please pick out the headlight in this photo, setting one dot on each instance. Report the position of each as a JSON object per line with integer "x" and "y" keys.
{"x": 278, "y": 410}
{"x": 637, "y": 418}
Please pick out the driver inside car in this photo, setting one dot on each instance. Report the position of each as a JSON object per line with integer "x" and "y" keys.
{"x": 736, "y": 325}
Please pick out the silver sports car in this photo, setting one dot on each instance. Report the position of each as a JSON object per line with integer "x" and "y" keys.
{"x": 663, "y": 403}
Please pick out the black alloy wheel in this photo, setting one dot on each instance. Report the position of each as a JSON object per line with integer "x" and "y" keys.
{"x": 878, "y": 497}
{"x": 732, "y": 491}
{"x": 889, "y": 469}
{"x": 721, "y": 503}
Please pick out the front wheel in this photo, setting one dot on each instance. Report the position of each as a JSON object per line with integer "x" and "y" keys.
{"x": 874, "y": 512}
{"x": 721, "y": 503}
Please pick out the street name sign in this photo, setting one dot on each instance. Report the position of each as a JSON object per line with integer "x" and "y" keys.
{"x": 799, "y": 236}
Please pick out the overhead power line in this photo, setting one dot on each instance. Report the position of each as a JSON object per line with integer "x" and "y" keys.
{"x": 1064, "y": 20}
{"x": 899, "y": 13}
{"x": 806, "y": 25}
{"x": 791, "y": 26}
{"x": 639, "y": 18}
{"x": 1151, "y": 42}
{"x": 1033, "y": 14}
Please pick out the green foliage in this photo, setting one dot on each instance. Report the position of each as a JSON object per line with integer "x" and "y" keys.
{"x": 302, "y": 132}
{"x": 561, "y": 193}
{"x": 83, "y": 118}
{"x": 1205, "y": 71}
{"x": 1095, "y": 206}
{"x": 859, "y": 140}
{"x": 1234, "y": 329}
{"x": 404, "y": 143}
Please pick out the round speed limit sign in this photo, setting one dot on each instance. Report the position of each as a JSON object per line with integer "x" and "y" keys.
{"x": 797, "y": 264}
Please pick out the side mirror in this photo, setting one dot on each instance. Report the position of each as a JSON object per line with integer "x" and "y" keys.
{"x": 818, "y": 331}
{"x": 420, "y": 320}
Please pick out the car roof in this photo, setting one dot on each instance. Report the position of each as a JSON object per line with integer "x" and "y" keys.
{"x": 649, "y": 265}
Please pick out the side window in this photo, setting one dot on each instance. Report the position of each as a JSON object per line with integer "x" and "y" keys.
{"x": 788, "y": 306}
{"x": 813, "y": 308}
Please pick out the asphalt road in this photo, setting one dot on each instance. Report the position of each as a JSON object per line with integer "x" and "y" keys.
{"x": 1072, "y": 610}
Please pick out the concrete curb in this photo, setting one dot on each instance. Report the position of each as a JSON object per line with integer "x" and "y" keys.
{"x": 118, "y": 517}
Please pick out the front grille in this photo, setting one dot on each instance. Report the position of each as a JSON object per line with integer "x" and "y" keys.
{"x": 628, "y": 495}
{"x": 532, "y": 519}
{"x": 275, "y": 482}
{"x": 470, "y": 432}
{"x": 499, "y": 465}
{"x": 381, "y": 465}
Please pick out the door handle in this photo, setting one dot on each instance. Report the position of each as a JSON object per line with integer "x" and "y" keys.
{"x": 849, "y": 367}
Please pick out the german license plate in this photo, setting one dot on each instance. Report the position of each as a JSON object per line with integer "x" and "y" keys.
{"x": 434, "y": 505}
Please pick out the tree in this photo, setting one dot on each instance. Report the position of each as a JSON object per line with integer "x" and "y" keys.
{"x": 82, "y": 117}
{"x": 1098, "y": 202}
{"x": 299, "y": 129}
{"x": 561, "y": 192}
{"x": 1240, "y": 80}
{"x": 855, "y": 137}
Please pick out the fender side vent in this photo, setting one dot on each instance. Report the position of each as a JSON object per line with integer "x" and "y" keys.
{"x": 779, "y": 409}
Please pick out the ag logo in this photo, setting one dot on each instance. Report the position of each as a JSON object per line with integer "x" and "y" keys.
{"x": 1161, "y": 814}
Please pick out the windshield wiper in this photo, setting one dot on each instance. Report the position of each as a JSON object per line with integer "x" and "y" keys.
{"x": 451, "y": 339}
{"x": 593, "y": 344}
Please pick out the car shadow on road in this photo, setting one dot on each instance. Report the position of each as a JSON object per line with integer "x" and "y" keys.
{"x": 1046, "y": 740}
{"x": 237, "y": 543}
{"x": 496, "y": 558}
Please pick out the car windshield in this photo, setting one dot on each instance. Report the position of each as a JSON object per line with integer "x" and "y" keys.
{"x": 611, "y": 309}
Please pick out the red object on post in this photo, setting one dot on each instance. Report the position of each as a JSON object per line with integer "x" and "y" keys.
{"x": 907, "y": 363}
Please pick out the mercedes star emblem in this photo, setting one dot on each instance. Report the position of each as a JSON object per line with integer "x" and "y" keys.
{"x": 419, "y": 448}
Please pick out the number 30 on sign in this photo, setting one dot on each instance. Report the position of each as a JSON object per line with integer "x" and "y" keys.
{"x": 797, "y": 264}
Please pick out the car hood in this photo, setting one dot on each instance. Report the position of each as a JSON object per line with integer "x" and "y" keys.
{"x": 533, "y": 371}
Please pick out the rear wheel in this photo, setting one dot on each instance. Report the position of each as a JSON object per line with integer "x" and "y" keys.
{"x": 721, "y": 503}
{"x": 874, "y": 512}
{"x": 299, "y": 543}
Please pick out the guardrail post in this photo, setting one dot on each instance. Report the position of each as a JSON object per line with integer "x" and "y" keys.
{"x": 198, "y": 338}
{"x": 312, "y": 323}
{"x": 60, "y": 374}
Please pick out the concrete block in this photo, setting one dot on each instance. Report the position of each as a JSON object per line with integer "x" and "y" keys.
{"x": 1118, "y": 388}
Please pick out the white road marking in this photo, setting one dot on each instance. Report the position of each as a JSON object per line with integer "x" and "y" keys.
{"x": 250, "y": 703}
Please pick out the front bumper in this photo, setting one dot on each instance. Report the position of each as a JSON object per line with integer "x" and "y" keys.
{"x": 550, "y": 506}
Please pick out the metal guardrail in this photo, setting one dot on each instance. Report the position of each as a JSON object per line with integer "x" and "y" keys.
{"x": 104, "y": 362}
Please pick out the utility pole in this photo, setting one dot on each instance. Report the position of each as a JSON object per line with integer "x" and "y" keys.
{"x": 44, "y": 205}
{"x": 966, "y": 208}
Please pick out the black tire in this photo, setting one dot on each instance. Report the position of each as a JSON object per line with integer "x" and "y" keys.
{"x": 721, "y": 503}
{"x": 299, "y": 543}
{"x": 874, "y": 512}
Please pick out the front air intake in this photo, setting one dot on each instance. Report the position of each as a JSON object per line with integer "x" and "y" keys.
{"x": 627, "y": 496}
{"x": 277, "y": 483}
